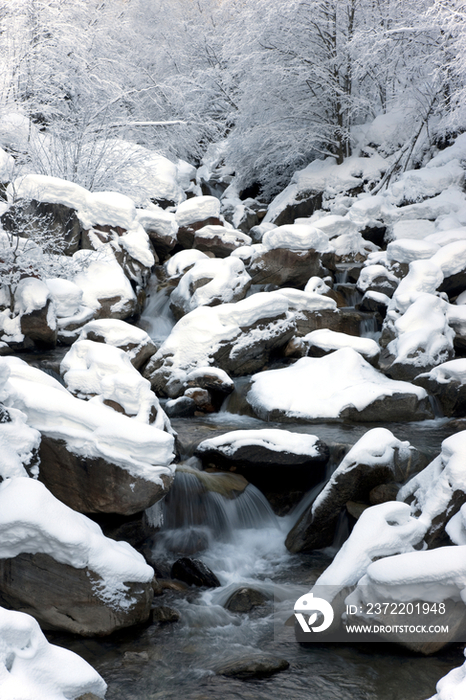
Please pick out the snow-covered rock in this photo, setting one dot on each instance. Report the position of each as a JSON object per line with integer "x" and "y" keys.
{"x": 179, "y": 263}
{"x": 453, "y": 685}
{"x": 377, "y": 458}
{"x": 161, "y": 227}
{"x": 340, "y": 385}
{"x": 33, "y": 669}
{"x": 377, "y": 278}
{"x": 134, "y": 341}
{"x": 324, "y": 341}
{"x": 66, "y": 296}
{"x": 437, "y": 493}
{"x": 197, "y": 209}
{"x": 104, "y": 584}
{"x": 447, "y": 382}
{"x": 92, "y": 457}
{"x": 416, "y": 185}
{"x": 262, "y": 456}
{"x": 208, "y": 283}
{"x": 33, "y": 303}
{"x": 219, "y": 241}
{"x": 405, "y": 250}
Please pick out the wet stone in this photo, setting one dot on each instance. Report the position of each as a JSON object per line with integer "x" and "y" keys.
{"x": 245, "y": 599}
{"x": 164, "y": 614}
{"x": 194, "y": 572}
{"x": 252, "y": 666}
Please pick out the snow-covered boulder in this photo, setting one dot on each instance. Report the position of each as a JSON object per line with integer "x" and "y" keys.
{"x": 56, "y": 565}
{"x": 91, "y": 369}
{"x": 195, "y": 213}
{"x": 33, "y": 669}
{"x": 219, "y": 241}
{"x": 208, "y": 283}
{"x": 181, "y": 262}
{"x": 106, "y": 289}
{"x": 237, "y": 338}
{"x": 262, "y": 456}
{"x": 437, "y": 577}
{"x": 33, "y": 303}
{"x": 453, "y": 685}
{"x": 377, "y": 458}
{"x": 132, "y": 340}
{"x": 161, "y": 227}
{"x": 341, "y": 385}
{"x": 423, "y": 337}
{"x": 381, "y": 531}
{"x": 417, "y": 185}
{"x": 376, "y": 278}
{"x": 447, "y": 382}
{"x": 92, "y": 458}
{"x": 437, "y": 493}
{"x": 405, "y": 250}
{"x": 451, "y": 259}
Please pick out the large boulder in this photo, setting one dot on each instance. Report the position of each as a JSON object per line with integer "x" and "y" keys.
{"x": 377, "y": 458}
{"x": 56, "y": 565}
{"x": 219, "y": 241}
{"x": 92, "y": 457}
{"x": 135, "y": 342}
{"x": 341, "y": 385}
{"x": 447, "y": 382}
{"x": 195, "y": 213}
{"x": 33, "y": 302}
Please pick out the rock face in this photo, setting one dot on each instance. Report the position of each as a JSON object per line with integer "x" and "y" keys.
{"x": 194, "y": 572}
{"x": 95, "y": 485}
{"x": 281, "y": 464}
{"x": 62, "y": 597}
{"x": 288, "y": 267}
{"x": 378, "y": 458}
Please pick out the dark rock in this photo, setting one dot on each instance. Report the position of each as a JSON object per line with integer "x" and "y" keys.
{"x": 95, "y": 485}
{"x": 339, "y": 320}
{"x": 369, "y": 304}
{"x": 219, "y": 245}
{"x": 35, "y": 217}
{"x": 383, "y": 493}
{"x": 194, "y": 572}
{"x": 451, "y": 395}
{"x": 186, "y": 234}
{"x": 243, "y": 600}
{"x": 356, "y": 509}
{"x": 164, "y": 614}
{"x": 375, "y": 234}
{"x": 202, "y": 399}
{"x": 285, "y": 267}
{"x": 35, "y": 326}
{"x": 61, "y": 597}
{"x": 304, "y": 205}
{"x": 4, "y": 414}
{"x": 252, "y": 666}
{"x": 182, "y": 407}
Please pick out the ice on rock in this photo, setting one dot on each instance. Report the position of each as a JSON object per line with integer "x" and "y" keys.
{"x": 33, "y": 669}
{"x": 323, "y": 388}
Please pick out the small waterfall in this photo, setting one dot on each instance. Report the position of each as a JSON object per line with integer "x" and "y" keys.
{"x": 157, "y": 319}
{"x": 369, "y": 327}
{"x": 202, "y": 507}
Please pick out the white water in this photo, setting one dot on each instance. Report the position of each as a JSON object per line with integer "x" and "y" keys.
{"x": 157, "y": 319}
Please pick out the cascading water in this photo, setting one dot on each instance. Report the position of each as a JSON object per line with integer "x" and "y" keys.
{"x": 157, "y": 319}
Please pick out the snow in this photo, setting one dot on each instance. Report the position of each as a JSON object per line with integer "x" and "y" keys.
{"x": 31, "y": 295}
{"x": 351, "y": 245}
{"x": 33, "y": 521}
{"x": 103, "y": 279}
{"x": 227, "y": 235}
{"x": 137, "y": 245}
{"x": 456, "y": 527}
{"x": 316, "y": 285}
{"x": 180, "y": 262}
{"x": 118, "y": 334}
{"x": 456, "y": 151}
{"x": 7, "y": 165}
{"x": 214, "y": 281}
{"x": 380, "y": 531}
{"x": 434, "y": 486}
{"x": 452, "y": 371}
{"x": 33, "y": 669}
{"x": 159, "y": 220}
{"x": 451, "y": 258}
{"x": 296, "y": 237}
{"x": 424, "y": 277}
{"x": 450, "y": 201}
{"x": 405, "y": 250}
{"x": 90, "y": 429}
{"x": 372, "y": 272}
{"x": 416, "y": 229}
{"x": 66, "y": 295}
{"x": 305, "y": 301}
{"x": 331, "y": 224}
{"x": 452, "y": 686}
{"x": 197, "y": 209}
{"x": 326, "y": 175}
{"x": 416, "y": 185}
{"x": 322, "y": 388}
{"x": 271, "y": 439}
{"x": 18, "y": 441}
{"x": 423, "y": 334}
{"x": 102, "y": 208}
{"x": 376, "y": 447}
{"x": 329, "y": 340}
{"x": 444, "y": 236}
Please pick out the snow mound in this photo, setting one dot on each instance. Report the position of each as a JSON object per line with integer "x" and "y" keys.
{"x": 33, "y": 669}
{"x": 296, "y": 237}
{"x": 328, "y": 341}
{"x": 179, "y": 263}
{"x": 197, "y": 209}
{"x": 271, "y": 439}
